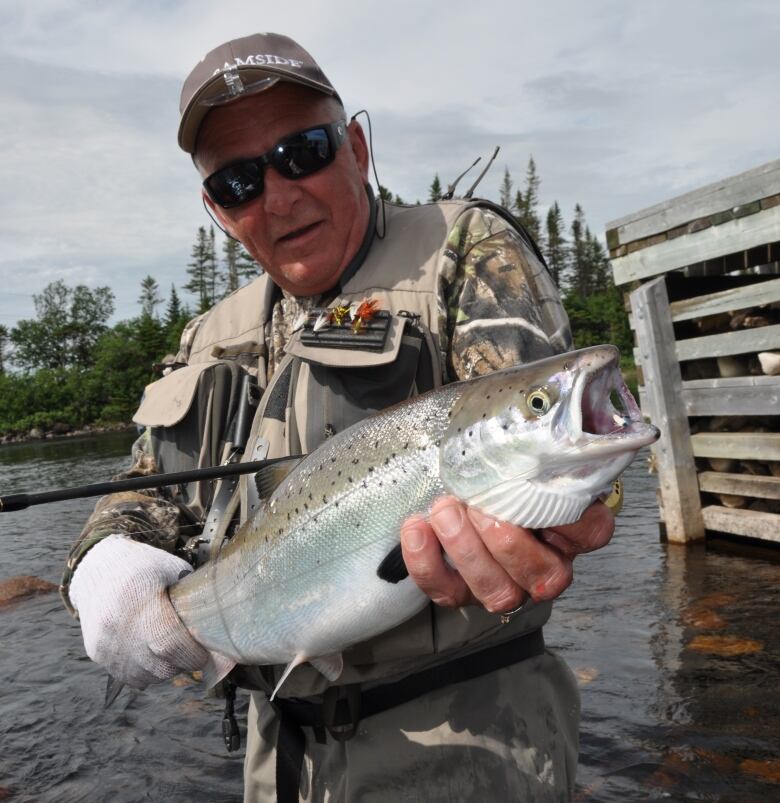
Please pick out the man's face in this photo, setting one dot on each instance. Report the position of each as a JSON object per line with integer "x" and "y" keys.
{"x": 304, "y": 231}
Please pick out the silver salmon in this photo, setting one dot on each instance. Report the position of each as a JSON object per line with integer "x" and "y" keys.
{"x": 319, "y": 567}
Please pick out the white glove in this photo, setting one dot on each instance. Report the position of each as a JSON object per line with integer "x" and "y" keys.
{"x": 128, "y": 623}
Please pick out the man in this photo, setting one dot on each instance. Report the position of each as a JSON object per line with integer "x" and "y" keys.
{"x": 462, "y": 702}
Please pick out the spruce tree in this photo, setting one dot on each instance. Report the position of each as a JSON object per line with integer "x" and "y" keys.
{"x": 3, "y": 346}
{"x": 505, "y": 191}
{"x": 203, "y": 269}
{"x": 526, "y": 203}
{"x": 237, "y": 266}
{"x": 434, "y": 193}
{"x": 578, "y": 263}
{"x": 150, "y": 296}
{"x": 555, "y": 244}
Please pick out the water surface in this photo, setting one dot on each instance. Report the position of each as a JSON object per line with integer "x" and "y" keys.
{"x": 660, "y": 720}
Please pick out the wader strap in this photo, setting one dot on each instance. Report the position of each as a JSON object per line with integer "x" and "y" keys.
{"x": 340, "y": 711}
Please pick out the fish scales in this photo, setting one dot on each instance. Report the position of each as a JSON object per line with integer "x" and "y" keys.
{"x": 317, "y": 546}
{"x": 534, "y": 445}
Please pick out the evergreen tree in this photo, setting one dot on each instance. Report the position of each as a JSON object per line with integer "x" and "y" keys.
{"x": 150, "y": 296}
{"x": 555, "y": 244}
{"x": 580, "y": 281}
{"x": 3, "y": 346}
{"x": 597, "y": 264}
{"x": 505, "y": 191}
{"x": 173, "y": 312}
{"x": 238, "y": 266}
{"x": 526, "y": 203}
{"x": 434, "y": 193}
{"x": 203, "y": 269}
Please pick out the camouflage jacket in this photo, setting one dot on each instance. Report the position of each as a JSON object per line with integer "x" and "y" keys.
{"x": 491, "y": 315}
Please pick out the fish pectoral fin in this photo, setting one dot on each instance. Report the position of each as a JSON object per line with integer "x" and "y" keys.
{"x": 299, "y": 659}
{"x": 392, "y": 568}
{"x": 216, "y": 668}
{"x": 268, "y": 478}
{"x": 329, "y": 665}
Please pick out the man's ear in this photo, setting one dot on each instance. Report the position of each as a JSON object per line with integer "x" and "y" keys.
{"x": 357, "y": 141}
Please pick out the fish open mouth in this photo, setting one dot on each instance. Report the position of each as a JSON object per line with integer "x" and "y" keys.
{"x": 602, "y": 408}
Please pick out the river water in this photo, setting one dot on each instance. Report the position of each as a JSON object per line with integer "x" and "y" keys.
{"x": 676, "y": 652}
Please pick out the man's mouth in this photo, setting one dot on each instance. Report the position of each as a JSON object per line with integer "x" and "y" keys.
{"x": 298, "y": 233}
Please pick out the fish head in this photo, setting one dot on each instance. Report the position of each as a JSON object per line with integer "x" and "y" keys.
{"x": 536, "y": 444}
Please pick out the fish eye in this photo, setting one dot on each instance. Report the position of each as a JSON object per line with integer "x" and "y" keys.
{"x": 539, "y": 401}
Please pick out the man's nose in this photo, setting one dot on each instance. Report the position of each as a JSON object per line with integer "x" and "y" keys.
{"x": 279, "y": 193}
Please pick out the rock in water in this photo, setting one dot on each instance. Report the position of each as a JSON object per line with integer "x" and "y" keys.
{"x": 16, "y": 588}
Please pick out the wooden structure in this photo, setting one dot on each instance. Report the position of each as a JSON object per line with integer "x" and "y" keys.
{"x": 702, "y": 272}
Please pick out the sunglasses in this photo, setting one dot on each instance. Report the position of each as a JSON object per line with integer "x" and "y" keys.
{"x": 296, "y": 156}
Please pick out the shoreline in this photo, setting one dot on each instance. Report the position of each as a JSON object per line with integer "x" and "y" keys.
{"x": 62, "y": 432}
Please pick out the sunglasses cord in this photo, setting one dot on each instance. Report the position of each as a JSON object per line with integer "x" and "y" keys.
{"x": 216, "y": 222}
{"x": 373, "y": 164}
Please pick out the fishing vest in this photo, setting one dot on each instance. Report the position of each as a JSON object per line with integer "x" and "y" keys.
{"x": 318, "y": 390}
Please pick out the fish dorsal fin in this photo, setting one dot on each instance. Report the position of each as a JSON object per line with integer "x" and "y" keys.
{"x": 269, "y": 478}
{"x": 329, "y": 665}
{"x": 392, "y": 568}
{"x": 299, "y": 659}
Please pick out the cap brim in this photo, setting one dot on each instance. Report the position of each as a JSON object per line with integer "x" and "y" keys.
{"x": 210, "y": 96}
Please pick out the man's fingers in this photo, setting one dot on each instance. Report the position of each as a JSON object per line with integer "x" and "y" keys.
{"x": 593, "y": 531}
{"x": 485, "y": 577}
{"x": 427, "y": 566}
{"x": 543, "y": 572}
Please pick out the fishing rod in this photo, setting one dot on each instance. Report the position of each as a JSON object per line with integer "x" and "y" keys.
{"x": 24, "y": 500}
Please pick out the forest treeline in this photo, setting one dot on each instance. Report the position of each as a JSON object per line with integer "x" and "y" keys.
{"x": 66, "y": 368}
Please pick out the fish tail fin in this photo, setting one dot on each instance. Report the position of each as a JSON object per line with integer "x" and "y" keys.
{"x": 113, "y": 687}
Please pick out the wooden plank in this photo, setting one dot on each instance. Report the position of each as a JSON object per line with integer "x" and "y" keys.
{"x": 743, "y": 341}
{"x": 750, "y": 295}
{"x": 740, "y": 484}
{"x": 750, "y": 523}
{"x": 737, "y": 445}
{"x": 741, "y": 395}
{"x": 663, "y": 384}
{"x": 712, "y": 242}
{"x": 759, "y": 182}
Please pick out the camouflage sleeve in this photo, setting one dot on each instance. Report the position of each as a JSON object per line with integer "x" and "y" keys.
{"x": 150, "y": 516}
{"x": 498, "y": 305}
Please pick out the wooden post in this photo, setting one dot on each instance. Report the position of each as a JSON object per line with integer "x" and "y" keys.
{"x": 663, "y": 392}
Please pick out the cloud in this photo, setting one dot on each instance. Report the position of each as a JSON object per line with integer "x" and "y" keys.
{"x": 621, "y": 105}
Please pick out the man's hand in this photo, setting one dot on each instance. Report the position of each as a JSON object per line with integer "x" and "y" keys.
{"x": 128, "y": 623}
{"x": 492, "y": 563}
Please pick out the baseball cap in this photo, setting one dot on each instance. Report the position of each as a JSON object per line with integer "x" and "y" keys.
{"x": 243, "y": 67}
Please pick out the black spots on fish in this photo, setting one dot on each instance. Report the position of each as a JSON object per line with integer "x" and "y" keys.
{"x": 339, "y": 474}
{"x": 370, "y": 469}
{"x": 349, "y": 479}
{"x": 504, "y": 425}
{"x": 376, "y": 444}
{"x": 471, "y": 433}
{"x": 463, "y": 453}
{"x": 311, "y": 498}
{"x": 392, "y": 569}
{"x": 387, "y": 460}
{"x": 484, "y": 415}
{"x": 324, "y": 498}
{"x": 355, "y": 461}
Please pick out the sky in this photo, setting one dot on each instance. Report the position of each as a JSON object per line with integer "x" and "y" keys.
{"x": 622, "y": 105}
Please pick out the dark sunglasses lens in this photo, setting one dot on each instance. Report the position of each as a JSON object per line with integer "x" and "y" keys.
{"x": 303, "y": 154}
{"x": 236, "y": 184}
